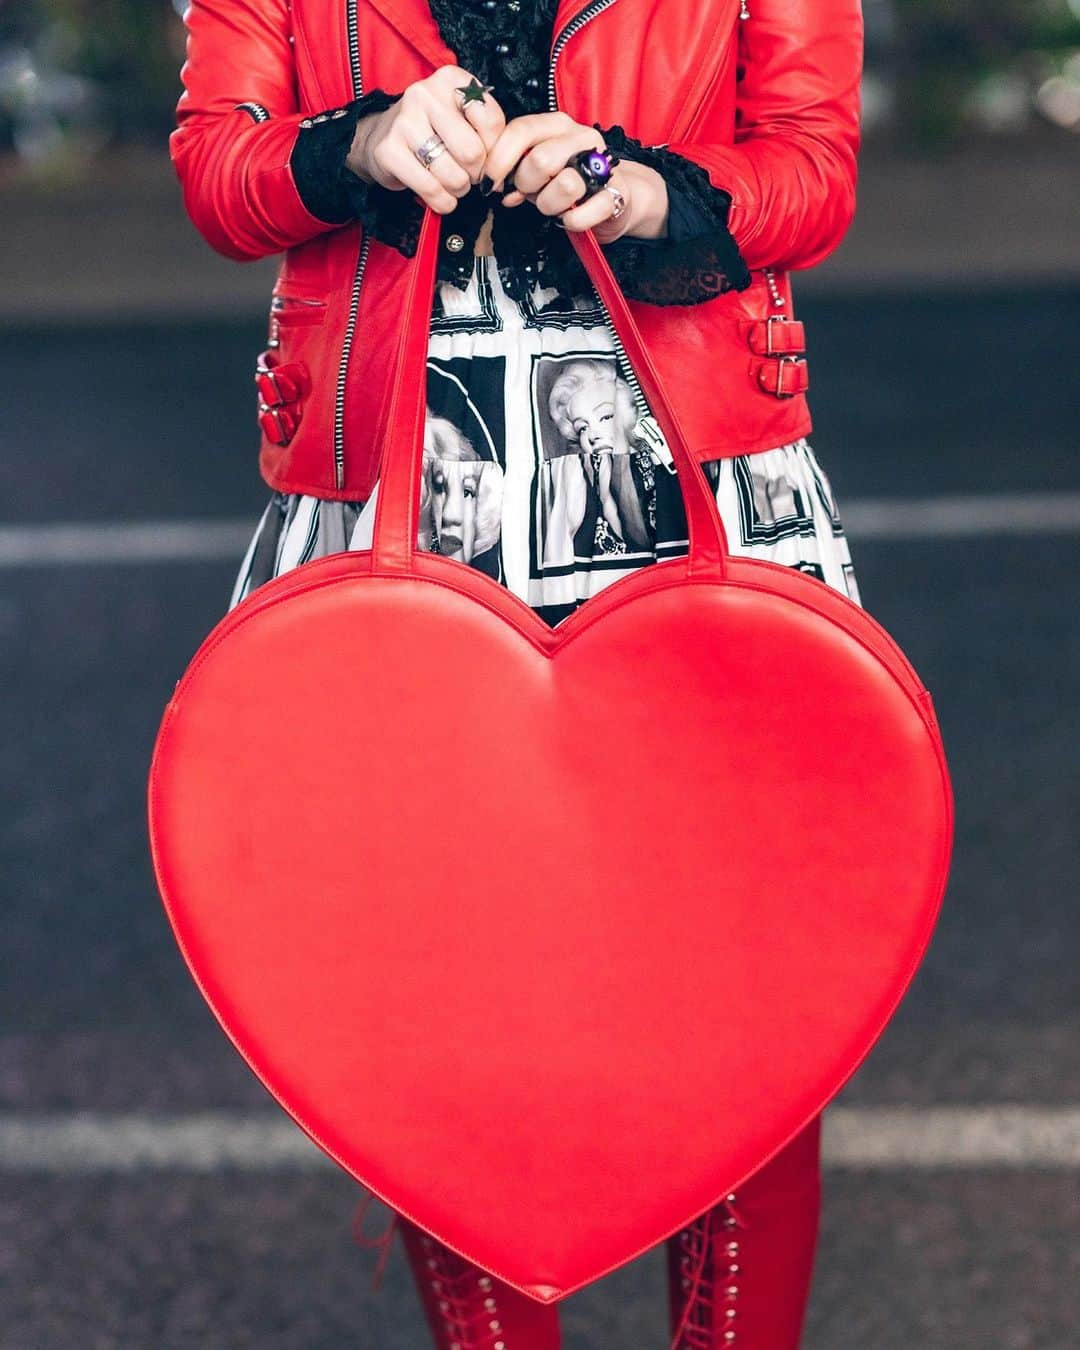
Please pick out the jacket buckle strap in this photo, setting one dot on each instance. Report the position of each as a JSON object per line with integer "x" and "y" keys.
{"x": 280, "y": 389}
{"x": 776, "y": 335}
{"x": 783, "y": 376}
{"x": 277, "y": 385}
{"x": 278, "y": 425}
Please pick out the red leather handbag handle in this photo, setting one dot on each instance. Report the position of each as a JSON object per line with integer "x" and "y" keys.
{"x": 394, "y": 535}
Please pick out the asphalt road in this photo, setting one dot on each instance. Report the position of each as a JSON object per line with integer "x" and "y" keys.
{"x": 912, "y": 397}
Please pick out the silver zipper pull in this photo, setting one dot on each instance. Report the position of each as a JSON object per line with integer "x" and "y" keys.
{"x": 744, "y": 12}
{"x": 647, "y": 430}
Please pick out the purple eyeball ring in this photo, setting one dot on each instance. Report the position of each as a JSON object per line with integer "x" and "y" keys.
{"x": 595, "y": 167}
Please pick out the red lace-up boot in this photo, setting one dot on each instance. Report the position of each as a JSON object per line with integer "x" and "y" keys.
{"x": 468, "y": 1309}
{"x": 739, "y": 1275}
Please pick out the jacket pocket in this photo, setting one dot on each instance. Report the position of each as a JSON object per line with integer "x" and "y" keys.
{"x": 282, "y": 372}
{"x": 291, "y": 311}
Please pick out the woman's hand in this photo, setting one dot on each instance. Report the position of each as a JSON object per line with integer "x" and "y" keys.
{"x": 539, "y": 144}
{"x": 384, "y": 147}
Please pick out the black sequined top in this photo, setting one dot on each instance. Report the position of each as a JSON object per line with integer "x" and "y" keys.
{"x": 506, "y": 44}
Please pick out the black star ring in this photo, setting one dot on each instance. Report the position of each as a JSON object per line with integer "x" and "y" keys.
{"x": 473, "y": 92}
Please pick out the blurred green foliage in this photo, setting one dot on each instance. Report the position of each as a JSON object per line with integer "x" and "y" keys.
{"x": 944, "y": 48}
{"x": 127, "y": 47}
{"x": 124, "y": 45}
{"x": 126, "y": 55}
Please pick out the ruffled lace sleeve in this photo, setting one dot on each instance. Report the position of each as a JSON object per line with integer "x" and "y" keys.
{"x": 699, "y": 258}
{"x": 332, "y": 192}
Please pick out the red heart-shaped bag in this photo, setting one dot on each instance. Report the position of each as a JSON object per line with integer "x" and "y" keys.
{"x": 550, "y": 937}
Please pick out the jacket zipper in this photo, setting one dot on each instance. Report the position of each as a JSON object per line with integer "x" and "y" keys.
{"x": 647, "y": 427}
{"x": 577, "y": 22}
{"x": 255, "y": 111}
{"x": 353, "y": 31}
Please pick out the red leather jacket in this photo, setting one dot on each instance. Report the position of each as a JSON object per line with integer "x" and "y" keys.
{"x": 767, "y": 103}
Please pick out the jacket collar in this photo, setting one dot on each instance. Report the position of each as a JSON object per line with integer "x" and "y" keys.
{"x": 416, "y": 24}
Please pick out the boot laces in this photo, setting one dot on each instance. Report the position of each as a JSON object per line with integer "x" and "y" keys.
{"x": 698, "y": 1327}
{"x": 466, "y": 1300}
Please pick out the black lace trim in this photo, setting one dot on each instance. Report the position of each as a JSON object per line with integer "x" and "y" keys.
{"x": 504, "y": 43}
{"x": 528, "y": 244}
{"x": 328, "y": 188}
{"x": 697, "y": 260}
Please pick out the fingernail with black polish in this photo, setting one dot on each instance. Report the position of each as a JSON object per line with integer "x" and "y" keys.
{"x": 486, "y": 184}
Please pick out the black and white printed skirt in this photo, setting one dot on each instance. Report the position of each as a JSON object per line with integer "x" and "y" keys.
{"x": 536, "y": 469}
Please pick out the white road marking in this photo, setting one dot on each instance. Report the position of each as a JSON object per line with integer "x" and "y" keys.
{"x": 111, "y": 542}
{"x": 865, "y": 1139}
{"x": 957, "y": 517}
{"x": 882, "y": 1138}
{"x": 151, "y": 541}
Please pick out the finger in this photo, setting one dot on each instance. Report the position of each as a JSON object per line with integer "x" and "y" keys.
{"x": 547, "y": 159}
{"x": 485, "y": 116}
{"x": 465, "y": 146}
{"x": 593, "y": 211}
{"x": 397, "y": 155}
{"x": 518, "y": 137}
{"x": 560, "y": 193}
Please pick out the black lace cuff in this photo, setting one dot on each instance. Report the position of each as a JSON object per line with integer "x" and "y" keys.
{"x": 330, "y": 190}
{"x": 699, "y": 258}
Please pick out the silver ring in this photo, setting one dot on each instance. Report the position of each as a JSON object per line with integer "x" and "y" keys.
{"x": 620, "y": 201}
{"x": 430, "y": 149}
